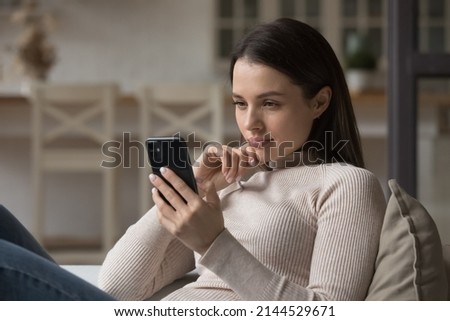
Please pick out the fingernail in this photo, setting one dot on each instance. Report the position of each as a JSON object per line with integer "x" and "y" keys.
{"x": 238, "y": 178}
{"x": 152, "y": 177}
{"x": 163, "y": 170}
{"x": 154, "y": 190}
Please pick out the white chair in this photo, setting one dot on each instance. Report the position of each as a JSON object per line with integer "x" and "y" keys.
{"x": 62, "y": 114}
{"x": 196, "y": 111}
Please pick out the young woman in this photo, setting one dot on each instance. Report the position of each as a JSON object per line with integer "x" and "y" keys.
{"x": 303, "y": 224}
{"x": 290, "y": 215}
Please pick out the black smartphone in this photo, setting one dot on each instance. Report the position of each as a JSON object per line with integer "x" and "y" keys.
{"x": 173, "y": 153}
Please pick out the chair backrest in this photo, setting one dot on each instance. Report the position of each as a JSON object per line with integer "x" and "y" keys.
{"x": 70, "y": 124}
{"x": 81, "y": 111}
{"x": 182, "y": 108}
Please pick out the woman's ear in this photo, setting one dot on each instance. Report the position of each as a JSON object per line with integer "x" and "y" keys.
{"x": 321, "y": 101}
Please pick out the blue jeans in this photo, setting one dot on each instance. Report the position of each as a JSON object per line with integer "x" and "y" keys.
{"x": 27, "y": 272}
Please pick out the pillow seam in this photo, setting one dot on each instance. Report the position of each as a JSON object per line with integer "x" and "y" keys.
{"x": 404, "y": 212}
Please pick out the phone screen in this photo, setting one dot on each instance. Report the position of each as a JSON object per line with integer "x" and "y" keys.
{"x": 173, "y": 153}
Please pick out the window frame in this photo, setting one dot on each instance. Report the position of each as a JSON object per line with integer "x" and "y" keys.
{"x": 331, "y": 10}
{"x": 333, "y": 32}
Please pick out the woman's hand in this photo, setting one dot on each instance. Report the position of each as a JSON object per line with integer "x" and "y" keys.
{"x": 194, "y": 221}
{"x": 222, "y": 165}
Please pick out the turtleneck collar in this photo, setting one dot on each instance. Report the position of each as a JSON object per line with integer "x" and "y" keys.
{"x": 298, "y": 158}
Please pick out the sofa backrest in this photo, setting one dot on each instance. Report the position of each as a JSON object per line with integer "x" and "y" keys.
{"x": 446, "y": 252}
{"x": 410, "y": 263}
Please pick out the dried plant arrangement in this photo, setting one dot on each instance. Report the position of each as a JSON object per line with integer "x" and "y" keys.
{"x": 34, "y": 56}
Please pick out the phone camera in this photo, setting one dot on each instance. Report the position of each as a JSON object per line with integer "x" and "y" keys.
{"x": 157, "y": 153}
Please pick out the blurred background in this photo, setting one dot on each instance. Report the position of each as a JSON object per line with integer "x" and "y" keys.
{"x": 137, "y": 43}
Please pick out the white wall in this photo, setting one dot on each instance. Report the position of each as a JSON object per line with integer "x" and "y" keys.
{"x": 132, "y": 42}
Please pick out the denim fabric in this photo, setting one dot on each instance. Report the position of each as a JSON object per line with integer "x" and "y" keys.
{"x": 13, "y": 231}
{"x": 27, "y": 272}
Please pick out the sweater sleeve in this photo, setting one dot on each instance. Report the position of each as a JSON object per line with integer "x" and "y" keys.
{"x": 144, "y": 260}
{"x": 247, "y": 276}
{"x": 349, "y": 217}
{"x": 350, "y": 211}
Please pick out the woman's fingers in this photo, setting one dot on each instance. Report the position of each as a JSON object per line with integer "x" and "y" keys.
{"x": 211, "y": 195}
{"x": 251, "y": 156}
{"x": 208, "y": 164}
{"x": 165, "y": 211}
{"x": 196, "y": 225}
{"x": 228, "y": 162}
{"x": 212, "y": 156}
{"x": 235, "y": 163}
{"x": 177, "y": 194}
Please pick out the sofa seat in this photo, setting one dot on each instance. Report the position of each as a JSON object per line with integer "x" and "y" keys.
{"x": 90, "y": 274}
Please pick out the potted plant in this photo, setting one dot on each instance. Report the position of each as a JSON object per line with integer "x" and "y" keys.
{"x": 361, "y": 63}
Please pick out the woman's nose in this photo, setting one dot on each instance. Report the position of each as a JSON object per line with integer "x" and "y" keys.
{"x": 253, "y": 120}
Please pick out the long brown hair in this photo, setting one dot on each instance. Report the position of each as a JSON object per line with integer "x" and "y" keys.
{"x": 304, "y": 55}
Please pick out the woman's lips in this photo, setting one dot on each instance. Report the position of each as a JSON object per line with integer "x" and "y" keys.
{"x": 258, "y": 142}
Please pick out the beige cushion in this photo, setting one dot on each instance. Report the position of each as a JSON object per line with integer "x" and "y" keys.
{"x": 410, "y": 264}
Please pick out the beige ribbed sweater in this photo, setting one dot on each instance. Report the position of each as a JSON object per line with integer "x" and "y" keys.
{"x": 302, "y": 233}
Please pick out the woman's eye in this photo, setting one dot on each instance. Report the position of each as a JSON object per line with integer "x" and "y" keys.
{"x": 270, "y": 104}
{"x": 239, "y": 104}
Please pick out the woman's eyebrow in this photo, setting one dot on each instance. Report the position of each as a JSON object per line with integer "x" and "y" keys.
{"x": 262, "y": 95}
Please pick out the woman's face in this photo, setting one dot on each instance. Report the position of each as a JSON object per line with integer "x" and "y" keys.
{"x": 271, "y": 112}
